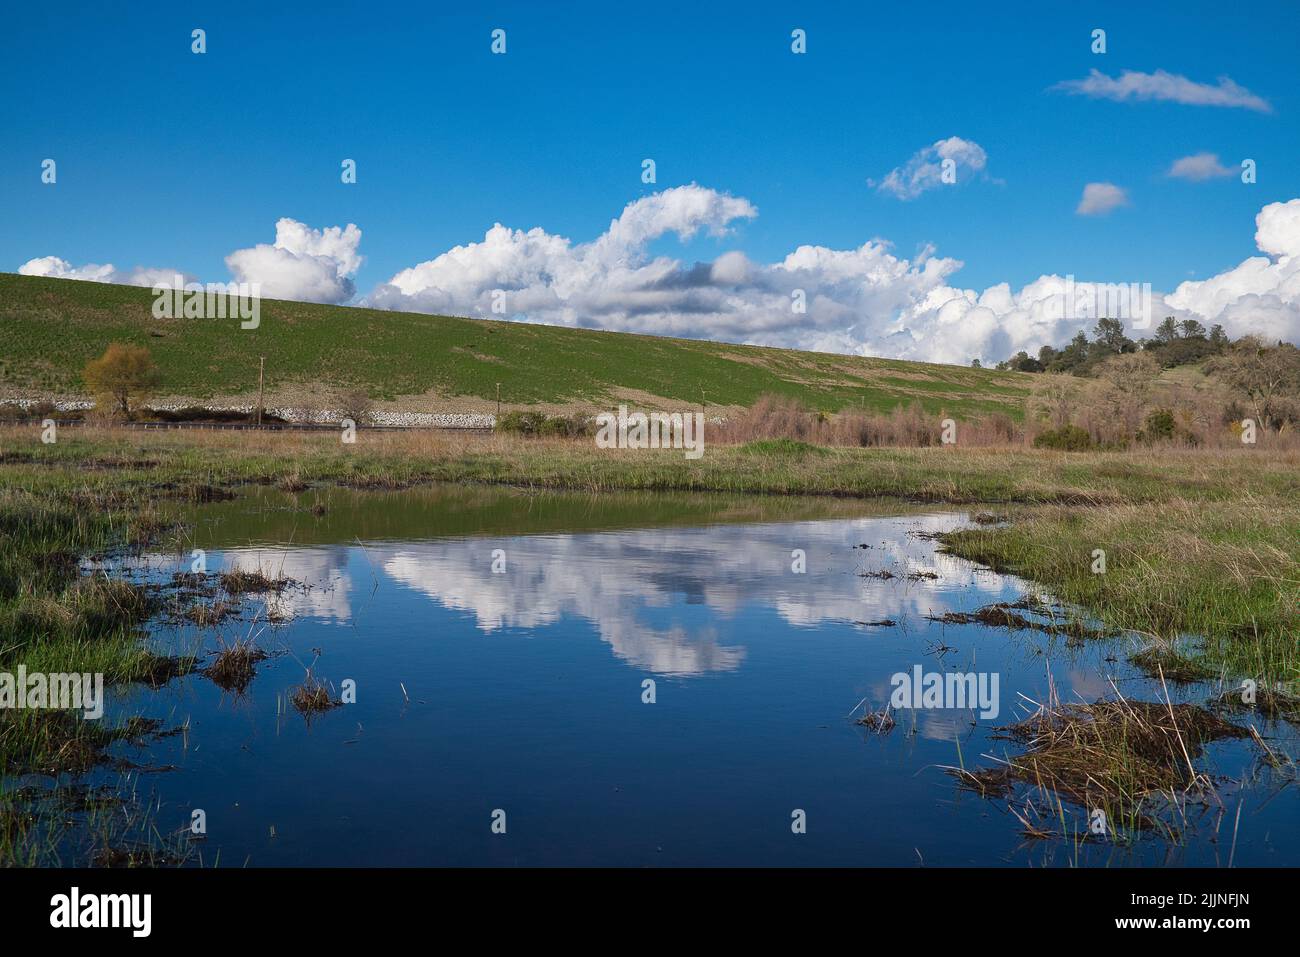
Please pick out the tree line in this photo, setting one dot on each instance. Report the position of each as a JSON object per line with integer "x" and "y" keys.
{"x": 1173, "y": 344}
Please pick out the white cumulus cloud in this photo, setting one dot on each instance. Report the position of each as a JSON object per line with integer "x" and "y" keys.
{"x": 57, "y": 268}
{"x": 1262, "y": 294}
{"x": 1100, "y": 198}
{"x": 924, "y": 171}
{"x": 303, "y": 264}
{"x": 1200, "y": 166}
{"x": 1162, "y": 85}
{"x": 866, "y": 300}
{"x": 610, "y": 281}
{"x": 1259, "y": 296}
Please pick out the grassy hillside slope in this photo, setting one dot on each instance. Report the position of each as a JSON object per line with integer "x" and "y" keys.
{"x": 49, "y": 328}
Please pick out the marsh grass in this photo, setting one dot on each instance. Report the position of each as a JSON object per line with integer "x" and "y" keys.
{"x": 1005, "y": 615}
{"x": 55, "y": 619}
{"x": 235, "y": 665}
{"x": 312, "y": 697}
{"x": 1133, "y": 760}
{"x": 52, "y": 742}
{"x": 1169, "y": 659}
{"x": 1274, "y": 703}
{"x": 1224, "y": 571}
{"x": 105, "y": 825}
{"x": 209, "y": 614}
{"x": 882, "y": 722}
{"x": 253, "y": 581}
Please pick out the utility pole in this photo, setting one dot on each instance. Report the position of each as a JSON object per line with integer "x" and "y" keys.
{"x": 261, "y": 381}
{"x": 498, "y": 401}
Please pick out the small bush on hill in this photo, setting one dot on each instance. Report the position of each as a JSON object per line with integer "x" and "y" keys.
{"x": 1068, "y": 438}
{"x": 536, "y": 423}
{"x": 1159, "y": 426}
{"x": 521, "y": 423}
{"x": 564, "y": 426}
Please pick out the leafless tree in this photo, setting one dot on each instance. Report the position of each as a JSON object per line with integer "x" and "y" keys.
{"x": 1266, "y": 376}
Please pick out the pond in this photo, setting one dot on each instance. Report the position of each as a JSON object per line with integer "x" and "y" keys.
{"x": 639, "y": 679}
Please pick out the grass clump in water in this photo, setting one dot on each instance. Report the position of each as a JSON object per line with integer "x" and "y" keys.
{"x": 207, "y": 614}
{"x": 1004, "y": 615}
{"x": 1165, "y": 658}
{"x": 1273, "y": 702}
{"x": 242, "y": 581}
{"x": 312, "y": 697}
{"x": 1130, "y": 759}
{"x": 236, "y": 665}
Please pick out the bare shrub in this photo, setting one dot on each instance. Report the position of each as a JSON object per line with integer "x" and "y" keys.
{"x": 772, "y": 417}
{"x": 1054, "y": 398}
{"x": 354, "y": 404}
{"x": 783, "y": 417}
{"x": 1266, "y": 377}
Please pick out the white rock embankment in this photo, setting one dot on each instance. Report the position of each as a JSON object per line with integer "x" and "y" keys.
{"x": 410, "y": 420}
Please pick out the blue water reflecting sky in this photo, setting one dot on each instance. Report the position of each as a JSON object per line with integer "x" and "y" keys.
{"x": 522, "y": 690}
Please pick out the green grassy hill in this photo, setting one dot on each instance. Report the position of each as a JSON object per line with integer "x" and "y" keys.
{"x": 49, "y": 328}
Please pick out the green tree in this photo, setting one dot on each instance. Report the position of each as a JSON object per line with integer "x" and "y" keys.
{"x": 125, "y": 375}
{"x": 1074, "y": 357}
{"x": 1023, "y": 362}
{"x": 1109, "y": 337}
{"x": 1167, "y": 331}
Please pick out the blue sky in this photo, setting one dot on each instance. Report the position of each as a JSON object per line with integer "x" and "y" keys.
{"x": 166, "y": 158}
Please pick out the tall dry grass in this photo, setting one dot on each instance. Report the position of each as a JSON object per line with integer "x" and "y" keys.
{"x": 910, "y": 426}
{"x": 1203, "y": 419}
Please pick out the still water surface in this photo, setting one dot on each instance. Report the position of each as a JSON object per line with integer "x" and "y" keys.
{"x": 522, "y": 689}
